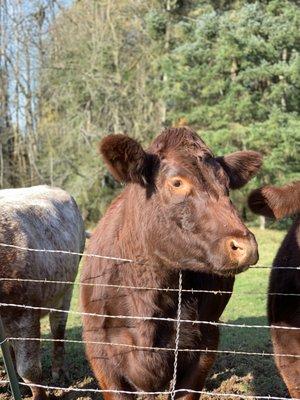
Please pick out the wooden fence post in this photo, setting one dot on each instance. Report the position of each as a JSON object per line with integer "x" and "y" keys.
{"x": 9, "y": 366}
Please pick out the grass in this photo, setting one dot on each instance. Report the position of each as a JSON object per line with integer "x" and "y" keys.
{"x": 239, "y": 374}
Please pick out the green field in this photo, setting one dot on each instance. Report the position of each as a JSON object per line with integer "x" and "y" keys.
{"x": 240, "y": 374}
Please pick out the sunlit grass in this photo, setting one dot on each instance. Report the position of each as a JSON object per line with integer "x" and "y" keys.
{"x": 244, "y": 373}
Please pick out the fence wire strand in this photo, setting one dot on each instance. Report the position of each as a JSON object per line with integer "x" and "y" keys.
{"x": 141, "y": 393}
{"x": 129, "y": 287}
{"x": 150, "y": 348}
{"x": 147, "y": 318}
{"x": 126, "y": 260}
{"x": 71, "y": 253}
{"x": 176, "y": 350}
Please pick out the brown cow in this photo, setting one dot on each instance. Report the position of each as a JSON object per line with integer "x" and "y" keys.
{"x": 277, "y": 202}
{"x": 174, "y": 214}
{"x": 37, "y": 217}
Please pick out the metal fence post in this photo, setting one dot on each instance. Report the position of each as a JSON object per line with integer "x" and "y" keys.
{"x": 9, "y": 366}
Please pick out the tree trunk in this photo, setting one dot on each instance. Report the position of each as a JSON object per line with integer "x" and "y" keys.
{"x": 262, "y": 222}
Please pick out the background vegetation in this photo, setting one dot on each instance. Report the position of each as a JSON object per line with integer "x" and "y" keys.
{"x": 74, "y": 71}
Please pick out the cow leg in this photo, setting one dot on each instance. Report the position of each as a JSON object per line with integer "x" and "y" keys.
{"x": 288, "y": 342}
{"x": 28, "y": 354}
{"x": 58, "y": 321}
{"x": 195, "y": 377}
{"x": 116, "y": 383}
{"x": 111, "y": 381}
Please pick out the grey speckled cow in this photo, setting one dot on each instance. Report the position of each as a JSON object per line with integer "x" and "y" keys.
{"x": 39, "y": 217}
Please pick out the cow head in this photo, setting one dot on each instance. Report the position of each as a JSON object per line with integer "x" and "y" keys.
{"x": 185, "y": 205}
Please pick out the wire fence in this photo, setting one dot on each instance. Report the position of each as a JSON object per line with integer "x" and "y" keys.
{"x": 147, "y": 318}
{"x": 126, "y": 260}
{"x": 109, "y": 285}
{"x": 150, "y": 348}
{"x": 177, "y": 321}
{"x": 140, "y": 393}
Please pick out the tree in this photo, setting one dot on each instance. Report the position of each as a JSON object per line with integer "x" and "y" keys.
{"x": 234, "y": 74}
{"x": 23, "y": 25}
{"x": 101, "y": 75}
{"x": 74, "y": 71}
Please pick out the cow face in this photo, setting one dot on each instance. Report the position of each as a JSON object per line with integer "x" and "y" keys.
{"x": 187, "y": 190}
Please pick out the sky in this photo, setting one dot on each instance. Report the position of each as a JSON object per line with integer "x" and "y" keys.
{"x": 18, "y": 27}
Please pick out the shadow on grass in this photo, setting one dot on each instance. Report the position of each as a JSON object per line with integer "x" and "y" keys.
{"x": 246, "y": 374}
{"x": 77, "y": 368}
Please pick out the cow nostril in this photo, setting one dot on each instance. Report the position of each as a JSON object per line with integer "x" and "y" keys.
{"x": 241, "y": 251}
{"x": 235, "y": 245}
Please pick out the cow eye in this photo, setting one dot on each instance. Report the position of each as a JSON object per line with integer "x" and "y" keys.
{"x": 180, "y": 186}
{"x": 177, "y": 183}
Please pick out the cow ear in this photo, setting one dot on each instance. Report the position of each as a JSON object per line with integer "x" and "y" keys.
{"x": 240, "y": 167}
{"x": 259, "y": 202}
{"x": 276, "y": 202}
{"x": 125, "y": 158}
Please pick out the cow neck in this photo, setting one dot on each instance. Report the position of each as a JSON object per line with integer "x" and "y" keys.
{"x": 137, "y": 214}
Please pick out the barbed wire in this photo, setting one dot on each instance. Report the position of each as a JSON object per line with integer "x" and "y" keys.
{"x": 147, "y": 318}
{"x": 141, "y": 393}
{"x": 127, "y": 260}
{"x": 176, "y": 350}
{"x": 72, "y": 253}
{"x": 109, "y": 285}
{"x": 150, "y": 348}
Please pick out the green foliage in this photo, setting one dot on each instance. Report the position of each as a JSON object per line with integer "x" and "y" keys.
{"x": 234, "y": 74}
{"x": 230, "y": 69}
{"x": 236, "y": 66}
{"x": 156, "y": 25}
{"x": 97, "y": 79}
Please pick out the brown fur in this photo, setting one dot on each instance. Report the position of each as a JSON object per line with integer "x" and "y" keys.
{"x": 179, "y": 216}
{"x": 119, "y": 149}
{"x": 240, "y": 167}
{"x": 284, "y": 310}
{"x": 276, "y": 202}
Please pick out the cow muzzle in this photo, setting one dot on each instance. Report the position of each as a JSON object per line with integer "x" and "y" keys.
{"x": 241, "y": 251}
